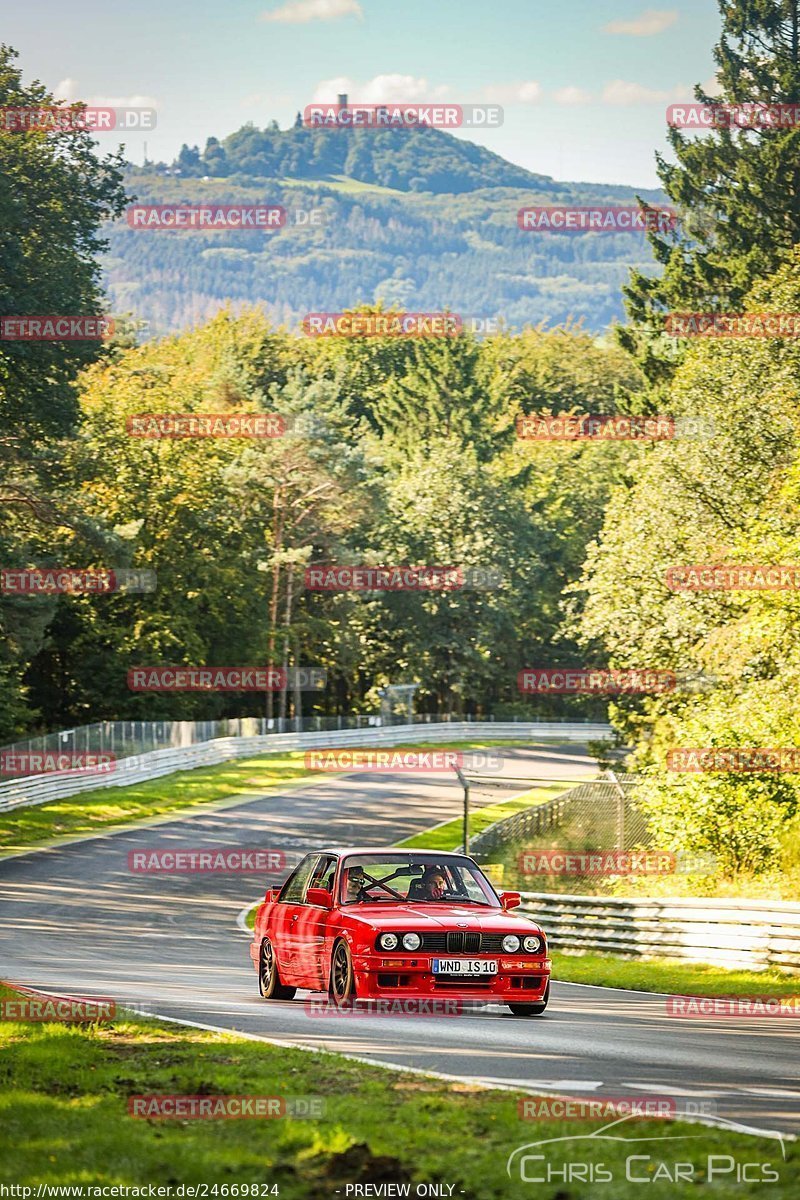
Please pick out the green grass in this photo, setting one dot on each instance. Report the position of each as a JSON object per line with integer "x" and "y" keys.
{"x": 450, "y": 835}
{"x": 64, "y": 1121}
{"x": 105, "y": 808}
{"x": 670, "y": 975}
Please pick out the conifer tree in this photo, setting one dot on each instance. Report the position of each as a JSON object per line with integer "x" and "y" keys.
{"x": 737, "y": 189}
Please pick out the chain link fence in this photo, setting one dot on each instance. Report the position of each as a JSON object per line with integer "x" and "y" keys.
{"x": 599, "y": 816}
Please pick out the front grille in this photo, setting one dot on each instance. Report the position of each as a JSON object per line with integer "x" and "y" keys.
{"x": 460, "y": 942}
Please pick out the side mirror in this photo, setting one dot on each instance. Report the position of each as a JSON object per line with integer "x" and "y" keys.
{"x": 319, "y": 897}
{"x": 510, "y": 900}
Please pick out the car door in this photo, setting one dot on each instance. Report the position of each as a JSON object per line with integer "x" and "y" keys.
{"x": 285, "y": 916}
{"x": 310, "y": 930}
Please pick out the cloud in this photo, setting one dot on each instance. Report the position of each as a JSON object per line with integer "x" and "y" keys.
{"x": 122, "y": 102}
{"x": 68, "y": 92}
{"x": 712, "y": 87}
{"x": 528, "y": 92}
{"x": 303, "y": 12}
{"x": 626, "y": 94}
{"x": 655, "y": 20}
{"x": 381, "y": 89}
{"x": 572, "y": 96}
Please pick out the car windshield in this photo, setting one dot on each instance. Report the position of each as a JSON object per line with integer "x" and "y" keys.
{"x": 414, "y": 878}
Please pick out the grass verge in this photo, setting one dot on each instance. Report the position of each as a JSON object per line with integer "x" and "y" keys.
{"x": 450, "y": 835}
{"x": 105, "y": 808}
{"x": 64, "y": 1121}
{"x": 673, "y": 976}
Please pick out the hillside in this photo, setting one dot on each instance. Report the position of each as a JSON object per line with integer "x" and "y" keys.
{"x": 417, "y": 218}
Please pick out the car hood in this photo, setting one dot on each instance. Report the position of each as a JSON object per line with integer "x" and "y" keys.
{"x": 419, "y": 917}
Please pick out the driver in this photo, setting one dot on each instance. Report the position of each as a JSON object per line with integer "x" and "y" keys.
{"x": 434, "y": 884}
{"x": 355, "y": 882}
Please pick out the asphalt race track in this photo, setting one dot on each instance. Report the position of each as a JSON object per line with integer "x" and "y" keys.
{"x": 75, "y": 920}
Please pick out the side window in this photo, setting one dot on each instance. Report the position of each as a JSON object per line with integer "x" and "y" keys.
{"x": 323, "y": 872}
{"x": 294, "y": 889}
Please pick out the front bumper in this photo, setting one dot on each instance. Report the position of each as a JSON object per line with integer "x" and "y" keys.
{"x": 520, "y": 980}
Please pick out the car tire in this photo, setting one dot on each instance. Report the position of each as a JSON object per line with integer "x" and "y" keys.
{"x": 269, "y": 981}
{"x": 342, "y": 982}
{"x": 532, "y": 1010}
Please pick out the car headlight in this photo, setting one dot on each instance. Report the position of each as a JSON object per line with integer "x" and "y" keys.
{"x": 532, "y": 944}
{"x": 387, "y": 941}
{"x": 511, "y": 943}
{"x": 412, "y": 941}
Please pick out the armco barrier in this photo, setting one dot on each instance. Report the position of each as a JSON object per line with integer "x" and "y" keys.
{"x": 750, "y": 934}
{"x": 38, "y": 789}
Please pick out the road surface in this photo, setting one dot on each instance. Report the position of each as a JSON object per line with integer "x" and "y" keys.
{"x": 75, "y": 920}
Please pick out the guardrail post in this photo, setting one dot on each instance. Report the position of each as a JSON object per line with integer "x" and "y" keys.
{"x": 620, "y": 810}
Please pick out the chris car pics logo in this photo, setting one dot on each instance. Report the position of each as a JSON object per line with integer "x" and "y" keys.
{"x": 609, "y": 1156}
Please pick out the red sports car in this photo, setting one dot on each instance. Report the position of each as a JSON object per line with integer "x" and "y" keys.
{"x": 369, "y": 924}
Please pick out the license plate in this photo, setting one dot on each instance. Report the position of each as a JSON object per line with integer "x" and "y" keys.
{"x": 464, "y": 966}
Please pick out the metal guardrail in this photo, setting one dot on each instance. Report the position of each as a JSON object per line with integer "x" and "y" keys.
{"x": 39, "y": 789}
{"x": 749, "y": 934}
{"x": 123, "y": 739}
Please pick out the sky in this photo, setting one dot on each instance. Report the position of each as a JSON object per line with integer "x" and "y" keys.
{"x": 584, "y": 84}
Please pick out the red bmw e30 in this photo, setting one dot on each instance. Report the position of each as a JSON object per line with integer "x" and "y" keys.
{"x": 370, "y": 924}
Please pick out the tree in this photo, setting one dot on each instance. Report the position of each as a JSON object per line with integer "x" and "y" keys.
{"x": 55, "y": 192}
{"x": 727, "y": 497}
{"x": 189, "y": 160}
{"x": 737, "y": 190}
